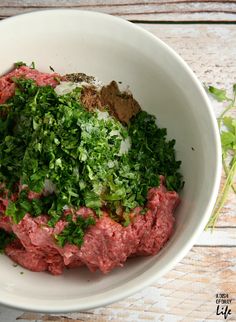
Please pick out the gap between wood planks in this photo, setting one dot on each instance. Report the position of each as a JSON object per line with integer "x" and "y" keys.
{"x": 184, "y": 22}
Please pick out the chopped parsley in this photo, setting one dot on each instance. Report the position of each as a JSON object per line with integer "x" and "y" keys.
{"x": 74, "y": 231}
{"x": 49, "y": 138}
{"x": 5, "y": 239}
{"x": 23, "y": 205}
{"x": 153, "y": 154}
{"x": 19, "y": 64}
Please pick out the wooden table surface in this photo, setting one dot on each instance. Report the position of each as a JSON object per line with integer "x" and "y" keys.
{"x": 204, "y": 34}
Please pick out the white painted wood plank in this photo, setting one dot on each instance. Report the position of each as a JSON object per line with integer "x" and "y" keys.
{"x": 218, "y": 237}
{"x": 139, "y": 10}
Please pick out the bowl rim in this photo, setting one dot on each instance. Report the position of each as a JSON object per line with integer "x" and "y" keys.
{"x": 149, "y": 276}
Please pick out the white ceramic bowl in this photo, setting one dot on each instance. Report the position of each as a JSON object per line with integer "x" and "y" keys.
{"x": 111, "y": 48}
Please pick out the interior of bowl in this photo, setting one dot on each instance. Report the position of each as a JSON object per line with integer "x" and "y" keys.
{"x": 110, "y": 48}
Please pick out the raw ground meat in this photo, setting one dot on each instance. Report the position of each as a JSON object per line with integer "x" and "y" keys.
{"x": 107, "y": 244}
{"x": 7, "y": 86}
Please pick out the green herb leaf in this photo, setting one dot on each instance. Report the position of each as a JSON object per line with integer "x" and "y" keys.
{"x": 219, "y": 94}
{"x": 230, "y": 123}
{"x": 32, "y": 65}
{"x": 227, "y": 139}
{"x": 234, "y": 89}
{"x": 19, "y": 64}
{"x": 5, "y": 239}
{"x": 75, "y": 230}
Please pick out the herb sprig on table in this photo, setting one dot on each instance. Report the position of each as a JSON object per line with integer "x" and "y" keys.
{"x": 227, "y": 128}
{"x": 49, "y": 138}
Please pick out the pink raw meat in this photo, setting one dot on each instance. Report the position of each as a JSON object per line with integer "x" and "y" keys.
{"x": 7, "y": 86}
{"x": 107, "y": 244}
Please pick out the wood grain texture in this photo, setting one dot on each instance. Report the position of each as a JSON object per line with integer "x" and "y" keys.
{"x": 186, "y": 294}
{"x": 138, "y": 10}
{"x": 224, "y": 236}
{"x": 208, "y": 49}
